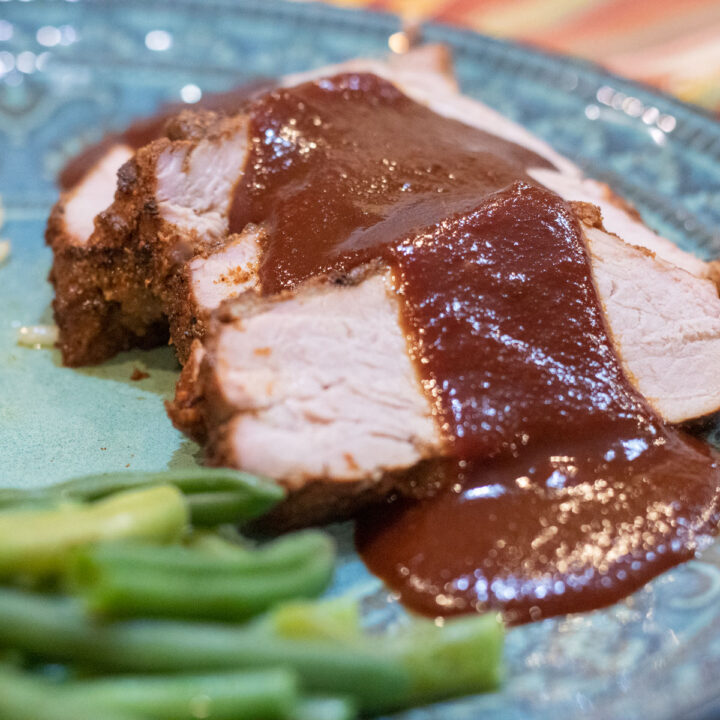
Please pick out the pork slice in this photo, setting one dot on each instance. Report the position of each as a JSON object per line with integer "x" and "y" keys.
{"x": 227, "y": 272}
{"x": 325, "y": 375}
{"x": 665, "y": 323}
{"x": 91, "y": 327}
{"x": 314, "y": 388}
{"x": 93, "y": 193}
{"x": 620, "y": 218}
{"x": 208, "y": 280}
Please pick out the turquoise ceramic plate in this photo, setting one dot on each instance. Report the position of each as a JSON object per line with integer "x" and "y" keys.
{"x": 70, "y": 70}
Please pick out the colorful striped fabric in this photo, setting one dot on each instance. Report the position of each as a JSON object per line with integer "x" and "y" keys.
{"x": 672, "y": 44}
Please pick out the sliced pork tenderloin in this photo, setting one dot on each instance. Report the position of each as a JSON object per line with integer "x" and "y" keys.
{"x": 315, "y": 387}
{"x": 665, "y": 323}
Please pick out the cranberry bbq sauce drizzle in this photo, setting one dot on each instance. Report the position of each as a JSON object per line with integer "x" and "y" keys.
{"x": 560, "y": 489}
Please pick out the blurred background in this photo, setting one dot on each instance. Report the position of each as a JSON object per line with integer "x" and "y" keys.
{"x": 671, "y": 44}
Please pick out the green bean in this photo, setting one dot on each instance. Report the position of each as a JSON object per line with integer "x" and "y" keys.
{"x": 251, "y": 695}
{"x": 38, "y": 542}
{"x": 127, "y": 581}
{"x": 23, "y": 697}
{"x": 213, "y": 508}
{"x": 461, "y": 657}
{"x": 325, "y": 708}
{"x": 222, "y": 556}
{"x": 57, "y": 629}
{"x": 214, "y": 495}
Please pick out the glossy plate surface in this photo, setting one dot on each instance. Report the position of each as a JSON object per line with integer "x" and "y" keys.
{"x": 68, "y": 71}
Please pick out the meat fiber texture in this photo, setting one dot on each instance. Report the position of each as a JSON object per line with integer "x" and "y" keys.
{"x": 315, "y": 387}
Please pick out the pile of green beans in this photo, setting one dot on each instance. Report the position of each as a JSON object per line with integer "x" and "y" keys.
{"x": 423, "y": 663}
{"x": 155, "y": 619}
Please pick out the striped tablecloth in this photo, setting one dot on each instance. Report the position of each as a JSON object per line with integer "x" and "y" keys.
{"x": 672, "y": 44}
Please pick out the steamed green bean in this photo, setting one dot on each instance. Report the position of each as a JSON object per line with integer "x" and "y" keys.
{"x": 124, "y": 580}
{"x": 37, "y": 542}
{"x": 270, "y": 694}
{"x": 462, "y": 656}
{"x": 214, "y": 495}
{"x": 283, "y": 553}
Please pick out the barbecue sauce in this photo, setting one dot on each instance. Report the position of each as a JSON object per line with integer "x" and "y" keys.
{"x": 559, "y": 488}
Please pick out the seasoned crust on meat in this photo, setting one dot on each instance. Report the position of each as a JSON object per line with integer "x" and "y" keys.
{"x": 117, "y": 289}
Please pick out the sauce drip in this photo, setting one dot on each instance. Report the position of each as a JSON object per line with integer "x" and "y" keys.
{"x": 560, "y": 488}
